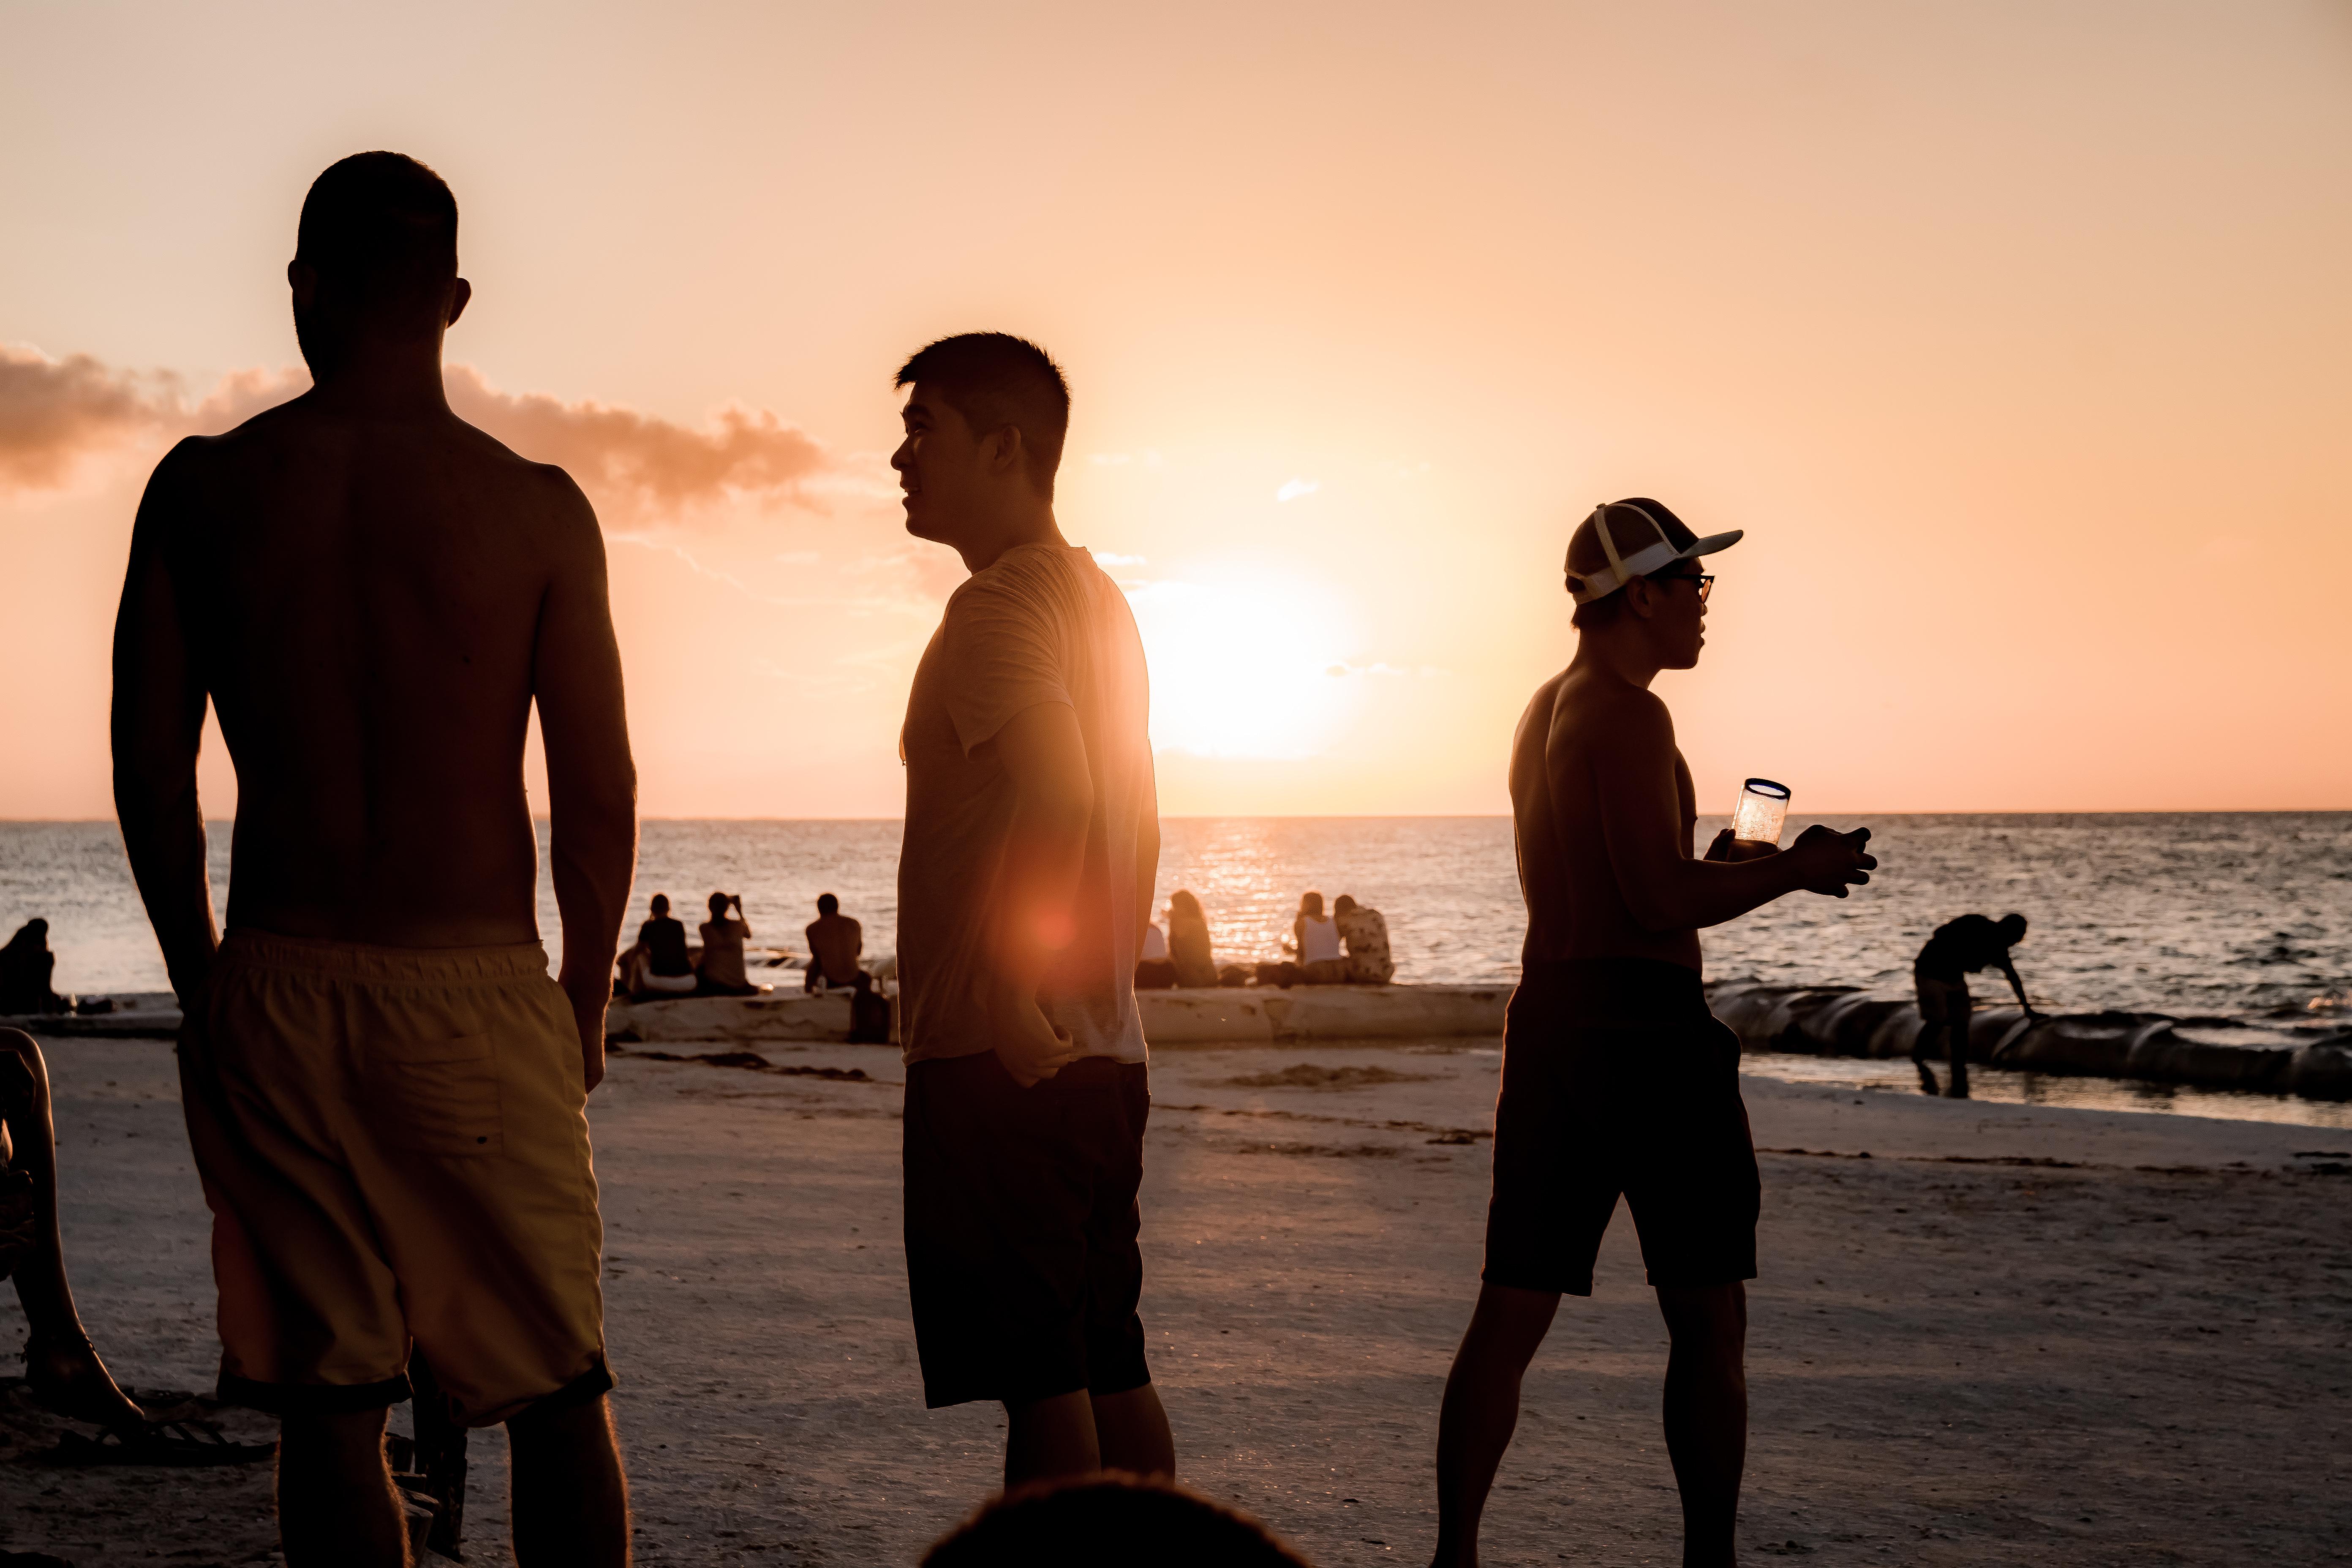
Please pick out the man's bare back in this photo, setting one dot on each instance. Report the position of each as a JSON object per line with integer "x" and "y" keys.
{"x": 373, "y": 604}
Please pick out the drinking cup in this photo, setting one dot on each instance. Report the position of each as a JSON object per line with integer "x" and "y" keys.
{"x": 1763, "y": 807}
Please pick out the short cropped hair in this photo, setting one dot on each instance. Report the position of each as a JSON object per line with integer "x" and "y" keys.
{"x": 1109, "y": 1517}
{"x": 381, "y": 224}
{"x": 993, "y": 380}
{"x": 826, "y": 904}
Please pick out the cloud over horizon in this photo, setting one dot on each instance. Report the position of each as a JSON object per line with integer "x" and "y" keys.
{"x": 637, "y": 467}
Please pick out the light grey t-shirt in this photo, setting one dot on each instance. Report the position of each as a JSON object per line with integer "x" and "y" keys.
{"x": 1042, "y": 624}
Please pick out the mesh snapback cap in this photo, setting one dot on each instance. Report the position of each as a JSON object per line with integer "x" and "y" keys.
{"x": 1634, "y": 537}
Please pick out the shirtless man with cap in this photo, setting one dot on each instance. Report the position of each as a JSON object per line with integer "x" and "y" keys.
{"x": 1616, "y": 1079}
{"x": 385, "y": 1093}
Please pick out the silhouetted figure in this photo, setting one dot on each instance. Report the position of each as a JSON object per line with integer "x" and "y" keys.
{"x": 1616, "y": 1078}
{"x": 1105, "y": 1518}
{"x": 1316, "y": 939}
{"x": 723, "y": 937}
{"x": 869, "y": 1013}
{"x": 1959, "y": 949}
{"x": 26, "y": 967}
{"x": 62, "y": 1371}
{"x": 659, "y": 964}
{"x": 1188, "y": 941}
{"x": 836, "y": 943}
{"x": 1367, "y": 936}
{"x": 1032, "y": 846}
{"x": 1154, "y": 970}
{"x": 384, "y": 1096}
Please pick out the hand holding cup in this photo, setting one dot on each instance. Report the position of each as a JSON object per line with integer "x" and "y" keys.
{"x": 1828, "y": 862}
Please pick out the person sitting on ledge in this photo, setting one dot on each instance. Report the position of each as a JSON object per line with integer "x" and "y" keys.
{"x": 26, "y": 965}
{"x": 1153, "y": 972}
{"x": 1367, "y": 936}
{"x": 835, "y": 943}
{"x": 722, "y": 949}
{"x": 1188, "y": 942}
{"x": 658, "y": 965}
{"x": 62, "y": 1371}
{"x": 1317, "y": 939}
{"x": 1959, "y": 949}
{"x": 1078, "y": 1523}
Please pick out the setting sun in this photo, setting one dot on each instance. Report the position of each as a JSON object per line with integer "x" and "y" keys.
{"x": 1251, "y": 668}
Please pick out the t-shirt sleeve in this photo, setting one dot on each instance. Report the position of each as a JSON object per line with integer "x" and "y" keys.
{"x": 1001, "y": 660}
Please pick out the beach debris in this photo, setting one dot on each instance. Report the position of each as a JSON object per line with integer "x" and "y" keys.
{"x": 175, "y": 1444}
{"x": 752, "y": 1061}
{"x": 1306, "y": 1075}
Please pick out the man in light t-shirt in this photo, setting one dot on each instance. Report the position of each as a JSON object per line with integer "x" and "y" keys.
{"x": 1031, "y": 843}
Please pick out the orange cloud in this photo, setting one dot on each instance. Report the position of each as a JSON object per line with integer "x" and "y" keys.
{"x": 55, "y": 413}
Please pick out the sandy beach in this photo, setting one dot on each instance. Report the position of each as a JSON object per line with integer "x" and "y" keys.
{"x": 2009, "y": 1335}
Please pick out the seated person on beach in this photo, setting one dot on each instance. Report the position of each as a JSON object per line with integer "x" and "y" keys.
{"x": 659, "y": 964}
{"x": 62, "y": 1371}
{"x": 1367, "y": 936}
{"x": 1616, "y": 1078}
{"x": 1109, "y": 1518}
{"x": 1959, "y": 949}
{"x": 1153, "y": 971}
{"x": 1317, "y": 941}
{"x": 385, "y": 1097}
{"x": 26, "y": 967}
{"x": 836, "y": 943}
{"x": 722, "y": 949}
{"x": 1188, "y": 941}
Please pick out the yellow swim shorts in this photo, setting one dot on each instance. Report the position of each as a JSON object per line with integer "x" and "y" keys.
{"x": 394, "y": 1142}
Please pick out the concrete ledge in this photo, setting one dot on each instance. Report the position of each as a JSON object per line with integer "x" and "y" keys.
{"x": 1245, "y": 1015}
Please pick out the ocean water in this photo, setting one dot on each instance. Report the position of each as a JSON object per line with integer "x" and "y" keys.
{"x": 2198, "y": 915}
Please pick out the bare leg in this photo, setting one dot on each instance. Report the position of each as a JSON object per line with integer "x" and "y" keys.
{"x": 1959, "y": 1050}
{"x": 1923, "y": 1043}
{"x": 1045, "y": 1439}
{"x": 1707, "y": 1414}
{"x": 60, "y": 1364}
{"x": 1482, "y": 1409}
{"x": 571, "y": 1498}
{"x": 336, "y": 1508}
{"x": 1131, "y": 1429}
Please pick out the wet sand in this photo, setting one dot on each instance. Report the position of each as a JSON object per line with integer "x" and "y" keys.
{"x": 2011, "y": 1335}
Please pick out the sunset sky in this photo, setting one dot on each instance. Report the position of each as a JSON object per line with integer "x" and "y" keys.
{"x": 2018, "y": 336}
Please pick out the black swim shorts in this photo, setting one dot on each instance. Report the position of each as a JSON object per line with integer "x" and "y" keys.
{"x": 1616, "y": 1078}
{"x": 1021, "y": 1229}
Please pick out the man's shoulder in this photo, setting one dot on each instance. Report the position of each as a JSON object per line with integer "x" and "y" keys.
{"x": 1586, "y": 709}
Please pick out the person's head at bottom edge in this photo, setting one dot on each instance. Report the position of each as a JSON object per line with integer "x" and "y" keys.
{"x": 1109, "y": 1517}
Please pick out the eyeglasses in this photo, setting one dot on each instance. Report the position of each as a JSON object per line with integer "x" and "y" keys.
{"x": 1706, "y": 581}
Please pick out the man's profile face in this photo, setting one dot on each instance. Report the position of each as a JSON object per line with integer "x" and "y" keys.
{"x": 939, "y": 465}
{"x": 1678, "y": 615}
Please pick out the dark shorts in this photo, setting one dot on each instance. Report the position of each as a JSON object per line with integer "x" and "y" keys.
{"x": 1617, "y": 1079}
{"x": 1021, "y": 1229}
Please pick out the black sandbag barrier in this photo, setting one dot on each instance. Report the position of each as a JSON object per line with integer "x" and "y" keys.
{"x": 2314, "y": 1061}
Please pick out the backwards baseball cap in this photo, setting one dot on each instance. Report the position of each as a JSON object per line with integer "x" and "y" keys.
{"x": 1622, "y": 539}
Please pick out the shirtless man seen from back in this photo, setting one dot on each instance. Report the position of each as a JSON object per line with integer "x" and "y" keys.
{"x": 1616, "y": 1078}
{"x": 386, "y": 1092}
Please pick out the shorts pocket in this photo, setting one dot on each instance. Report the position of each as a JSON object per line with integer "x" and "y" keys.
{"x": 438, "y": 1096}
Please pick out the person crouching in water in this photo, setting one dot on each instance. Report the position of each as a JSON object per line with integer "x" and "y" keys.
{"x": 1616, "y": 1078}
{"x": 1959, "y": 949}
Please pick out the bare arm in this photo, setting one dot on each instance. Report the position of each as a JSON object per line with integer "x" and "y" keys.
{"x": 1147, "y": 864}
{"x": 1648, "y": 844}
{"x": 158, "y": 723}
{"x": 2008, "y": 967}
{"x": 591, "y": 782}
{"x": 1052, "y": 802}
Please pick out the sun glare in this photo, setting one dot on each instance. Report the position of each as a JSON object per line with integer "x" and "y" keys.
{"x": 1248, "y": 669}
